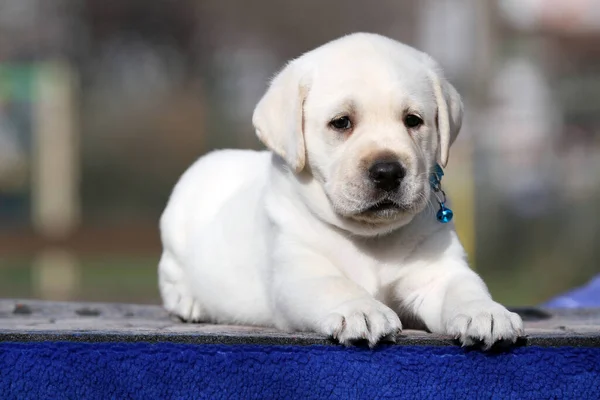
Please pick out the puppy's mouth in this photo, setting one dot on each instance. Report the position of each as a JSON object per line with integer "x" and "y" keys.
{"x": 382, "y": 206}
{"x": 385, "y": 209}
{"x": 381, "y": 212}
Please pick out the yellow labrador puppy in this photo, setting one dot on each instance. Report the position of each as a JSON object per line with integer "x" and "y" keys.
{"x": 333, "y": 230}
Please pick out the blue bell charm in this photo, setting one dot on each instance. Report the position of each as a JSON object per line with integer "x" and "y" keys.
{"x": 444, "y": 214}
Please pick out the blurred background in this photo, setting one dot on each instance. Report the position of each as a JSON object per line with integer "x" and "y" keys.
{"x": 103, "y": 104}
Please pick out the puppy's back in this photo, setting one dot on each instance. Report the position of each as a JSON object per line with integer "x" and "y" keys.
{"x": 205, "y": 187}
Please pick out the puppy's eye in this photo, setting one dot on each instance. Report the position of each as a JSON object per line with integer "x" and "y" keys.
{"x": 412, "y": 121}
{"x": 341, "y": 123}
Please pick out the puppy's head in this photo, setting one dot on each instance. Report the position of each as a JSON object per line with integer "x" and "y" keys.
{"x": 365, "y": 118}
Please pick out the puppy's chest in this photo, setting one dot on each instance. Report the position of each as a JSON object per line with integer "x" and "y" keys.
{"x": 358, "y": 267}
{"x": 361, "y": 266}
{"x": 366, "y": 266}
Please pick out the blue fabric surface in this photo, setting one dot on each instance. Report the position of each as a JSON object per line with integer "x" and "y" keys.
{"x": 68, "y": 370}
{"x": 586, "y": 296}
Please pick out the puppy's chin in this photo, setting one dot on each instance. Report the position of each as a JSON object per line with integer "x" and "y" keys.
{"x": 377, "y": 224}
{"x": 381, "y": 218}
{"x": 382, "y": 214}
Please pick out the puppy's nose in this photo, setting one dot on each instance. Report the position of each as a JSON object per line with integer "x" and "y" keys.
{"x": 387, "y": 175}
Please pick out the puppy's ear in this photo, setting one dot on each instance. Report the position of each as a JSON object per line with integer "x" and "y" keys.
{"x": 278, "y": 117}
{"x": 449, "y": 114}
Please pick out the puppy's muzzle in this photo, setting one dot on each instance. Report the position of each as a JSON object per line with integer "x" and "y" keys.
{"x": 387, "y": 175}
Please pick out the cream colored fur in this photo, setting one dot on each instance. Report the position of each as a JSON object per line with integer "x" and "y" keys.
{"x": 281, "y": 238}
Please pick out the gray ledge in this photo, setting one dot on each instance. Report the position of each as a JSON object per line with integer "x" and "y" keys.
{"x": 33, "y": 320}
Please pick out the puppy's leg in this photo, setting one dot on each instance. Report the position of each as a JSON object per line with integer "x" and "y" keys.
{"x": 444, "y": 293}
{"x": 174, "y": 290}
{"x": 310, "y": 293}
{"x": 470, "y": 315}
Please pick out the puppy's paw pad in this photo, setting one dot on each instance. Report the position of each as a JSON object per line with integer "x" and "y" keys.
{"x": 484, "y": 323}
{"x": 362, "y": 320}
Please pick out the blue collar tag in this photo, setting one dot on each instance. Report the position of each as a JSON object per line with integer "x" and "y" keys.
{"x": 444, "y": 214}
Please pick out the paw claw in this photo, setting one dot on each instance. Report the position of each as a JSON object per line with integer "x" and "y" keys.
{"x": 484, "y": 324}
{"x": 365, "y": 319}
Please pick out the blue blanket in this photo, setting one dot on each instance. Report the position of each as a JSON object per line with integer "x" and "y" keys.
{"x": 581, "y": 297}
{"x": 69, "y": 370}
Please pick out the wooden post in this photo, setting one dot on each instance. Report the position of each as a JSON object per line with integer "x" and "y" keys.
{"x": 55, "y": 177}
{"x": 460, "y": 34}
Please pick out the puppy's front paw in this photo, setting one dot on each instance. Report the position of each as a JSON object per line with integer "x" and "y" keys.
{"x": 484, "y": 322}
{"x": 364, "y": 319}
